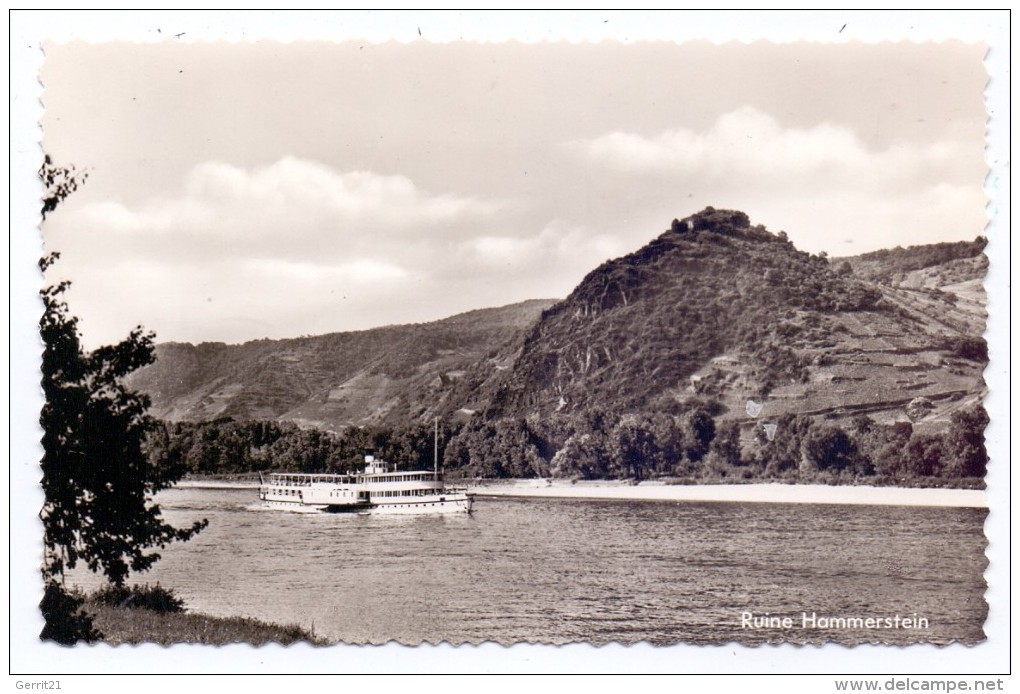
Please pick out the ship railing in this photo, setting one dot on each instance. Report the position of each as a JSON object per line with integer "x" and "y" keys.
{"x": 296, "y": 479}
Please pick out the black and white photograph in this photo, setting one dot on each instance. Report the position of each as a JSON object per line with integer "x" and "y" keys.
{"x": 441, "y": 341}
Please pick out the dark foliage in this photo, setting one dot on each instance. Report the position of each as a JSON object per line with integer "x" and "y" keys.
{"x": 504, "y": 448}
{"x": 886, "y": 264}
{"x": 594, "y": 444}
{"x": 228, "y": 446}
{"x": 828, "y": 447}
{"x": 885, "y": 447}
{"x": 782, "y": 455}
{"x": 96, "y": 479}
{"x": 971, "y": 348}
{"x": 58, "y": 182}
{"x": 65, "y": 621}
{"x": 152, "y": 598}
{"x": 967, "y": 455}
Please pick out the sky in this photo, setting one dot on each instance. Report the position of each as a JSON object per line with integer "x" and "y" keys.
{"x": 266, "y": 189}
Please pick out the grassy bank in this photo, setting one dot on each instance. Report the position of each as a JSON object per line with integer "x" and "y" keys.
{"x": 134, "y": 625}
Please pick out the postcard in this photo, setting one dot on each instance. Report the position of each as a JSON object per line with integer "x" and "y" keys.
{"x": 540, "y": 344}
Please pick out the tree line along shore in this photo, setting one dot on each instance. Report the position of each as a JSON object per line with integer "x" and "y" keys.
{"x": 692, "y": 445}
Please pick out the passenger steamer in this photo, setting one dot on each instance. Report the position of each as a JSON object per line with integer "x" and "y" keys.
{"x": 373, "y": 490}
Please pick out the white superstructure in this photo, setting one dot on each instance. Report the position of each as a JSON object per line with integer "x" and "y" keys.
{"x": 373, "y": 490}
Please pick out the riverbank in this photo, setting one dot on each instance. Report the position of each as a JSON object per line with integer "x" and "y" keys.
{"x": 201, "y": 483}
{"x": 760, "y": 492}
{"x": 744, "y": 493}
{"x": 121, "y": 625}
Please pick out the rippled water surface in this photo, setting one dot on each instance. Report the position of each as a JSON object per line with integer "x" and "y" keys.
{"x": 557, "y": 571}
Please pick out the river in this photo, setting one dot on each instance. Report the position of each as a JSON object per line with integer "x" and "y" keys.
{"x": 567, "y": 570}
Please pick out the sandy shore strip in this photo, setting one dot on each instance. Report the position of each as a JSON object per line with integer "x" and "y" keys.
{"x": 746, "y": 493}
{"x": 217, "y": 484}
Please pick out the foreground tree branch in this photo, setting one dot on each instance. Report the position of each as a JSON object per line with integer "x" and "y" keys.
{"x": 97, "y": 479}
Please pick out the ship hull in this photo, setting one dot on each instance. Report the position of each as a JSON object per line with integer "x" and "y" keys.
{"x": 292, "y": 506}
{"x": 446, "y": 505}
{"x": 458, "y": 504}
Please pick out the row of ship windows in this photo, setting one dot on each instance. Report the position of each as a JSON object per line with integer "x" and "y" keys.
{"x": 398, "y": 478}
{"x": 406, "y": 492}
{"x": 403, "y": 492}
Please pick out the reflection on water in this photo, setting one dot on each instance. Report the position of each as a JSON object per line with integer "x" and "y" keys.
{"x": 554, "y": 570}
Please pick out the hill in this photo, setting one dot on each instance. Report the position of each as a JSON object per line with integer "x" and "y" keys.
{"x": 385, "y": 376}
{"x": 717, "y": 308}
{"x": 947, "y": 262}
{"x": 718, "y": 349}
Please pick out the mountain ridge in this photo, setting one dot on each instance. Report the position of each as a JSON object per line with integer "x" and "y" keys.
{"x": 712, "y": 314}
{"x": 710, "y": 284}
{"x": 306, "y": 379}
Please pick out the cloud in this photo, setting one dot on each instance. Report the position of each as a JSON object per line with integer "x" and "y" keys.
{"x": 821, "y": 184}
{"x": 297, "y": 247}
{"x": 749, "y": 147}
{"x": 557, "y": 245}
{"x": 254, "y": 247}
{"x": 354, "y": 196}
{"x": 293, "y": 208}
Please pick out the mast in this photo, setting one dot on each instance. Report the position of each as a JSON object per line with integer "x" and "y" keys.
{"x": 435, "y": 452}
